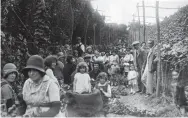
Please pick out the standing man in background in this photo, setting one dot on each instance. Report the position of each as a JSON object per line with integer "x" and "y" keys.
{"x": 80, "y": 47}
{"x": 149, "y": 68}
{"x": 139, "y": 58}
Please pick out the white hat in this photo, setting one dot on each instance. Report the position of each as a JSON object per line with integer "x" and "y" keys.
{"x": 126, "y": 64}
{"x": 135, "y": 42}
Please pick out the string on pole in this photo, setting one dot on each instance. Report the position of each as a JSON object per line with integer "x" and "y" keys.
{"x": 21, "y": 21}
{"x": 159, "y": 7}
{"x": 149, "y": 16}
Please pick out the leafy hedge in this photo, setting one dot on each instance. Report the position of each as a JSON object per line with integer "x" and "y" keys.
{"x": 174, "y": 37}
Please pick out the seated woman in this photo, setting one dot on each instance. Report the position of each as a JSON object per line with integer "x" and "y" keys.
{"x": 105, "y": 88}
{"x": 40, "y": 92}
{"x": 8, "y": 94}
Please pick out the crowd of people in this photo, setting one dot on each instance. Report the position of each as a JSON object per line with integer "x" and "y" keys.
{"x": 84, "y": 71}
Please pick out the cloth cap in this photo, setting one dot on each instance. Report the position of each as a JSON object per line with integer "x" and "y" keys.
{"x": 9, "y": 68}
{"x": 60, "y": 54}
{"x": 135, "y": 43}
{"x": 80, "y": 59}
{"x": 89, "y": 47}
{"x": 87, "y": 57}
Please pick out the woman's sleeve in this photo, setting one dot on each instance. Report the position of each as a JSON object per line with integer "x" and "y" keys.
{"x": 74, "y": 83}
{"x": 50, "y": 73}
{"x": 25, "y": 88}
{"x": 54, "y": 92}
{"x": 53, "y": 111}
{"x": 131, "y": 57}
{"x": 89, "y": 83}
{"x": 6, "y": 92}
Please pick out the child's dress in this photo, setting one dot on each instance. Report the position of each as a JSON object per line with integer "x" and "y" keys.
{"x": 132, "y": 78}
{"x": 82, "y": 83}
{"x": 113, "y": 72}
{"x": 128, "y": 58}
{"x": 106, "y": 87}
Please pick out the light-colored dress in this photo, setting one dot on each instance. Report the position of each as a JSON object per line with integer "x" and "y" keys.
{"x": 81, "y": 83}
{"x": 132, "y": 78}
{"x": 38, "y": 97}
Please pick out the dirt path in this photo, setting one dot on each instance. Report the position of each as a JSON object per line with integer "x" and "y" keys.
{"x": 135, "y": 101}
{"x": 150, "y": 105}
{"x": 139, "y": 105}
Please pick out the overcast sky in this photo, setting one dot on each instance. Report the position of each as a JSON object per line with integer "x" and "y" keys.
{"x": 121, "y": 11}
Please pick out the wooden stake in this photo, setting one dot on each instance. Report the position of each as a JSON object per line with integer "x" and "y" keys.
{"x": 138, "y": 22}
{"x": 144, "y": 27}
{"x": 85, "y": 36}
{"x": 94, "y": 25}
{"x": 158, "y": 49}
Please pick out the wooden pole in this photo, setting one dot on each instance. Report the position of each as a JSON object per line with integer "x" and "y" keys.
{"x": 134, "y": 27}
{"x": 144, "y": 28}
{"x": 94, "y": 33}
{"x": 72, "y": 24}
{"x": 158, "y": 49}
{"x": 138, "y": 22}
{"x": 100, "y": 35}
{"x": 109, "y": 37}
{"x": 85, "y": 36}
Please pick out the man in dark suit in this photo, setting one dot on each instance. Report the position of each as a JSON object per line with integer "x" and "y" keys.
{"x": 80, "y": 47}
{"x": 139, "y": 58}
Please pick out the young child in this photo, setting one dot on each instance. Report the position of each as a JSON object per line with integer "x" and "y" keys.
{"x": 81, "y": 82}
{"x": 105, "y": 89}
{"x": 132, "y": 78}
{"x": 174, "y": 82}
{"x": 113, "y": 72}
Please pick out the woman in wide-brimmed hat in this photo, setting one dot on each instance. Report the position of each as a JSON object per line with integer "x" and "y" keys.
{"x": 40, "y": 92}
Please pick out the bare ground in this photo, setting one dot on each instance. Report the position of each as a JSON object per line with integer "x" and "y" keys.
{"x": 139, "y": 105}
